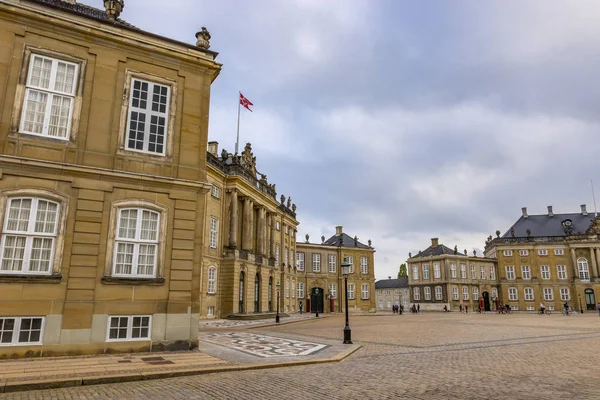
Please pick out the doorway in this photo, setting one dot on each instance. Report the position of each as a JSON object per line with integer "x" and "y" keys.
{"x": 316, "y": 300}
{"x": 241, "y": 298}
{"x": 486, "y": 301}
{"x": 590, "y": 299}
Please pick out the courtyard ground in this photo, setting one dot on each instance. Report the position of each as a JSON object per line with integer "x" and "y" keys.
{"x": 426, "y": 356}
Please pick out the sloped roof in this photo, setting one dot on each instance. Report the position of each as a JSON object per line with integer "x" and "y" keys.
{"x": 83, "y": 10}
{"x": 392, "y": 283}
{"x": 438, "y": 250}
{"x": 347, "y": 241}
{"x": 545, "y": 225}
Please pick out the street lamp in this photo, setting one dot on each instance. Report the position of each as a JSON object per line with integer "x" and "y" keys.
{"x": 277, "y": 314}
{"x": 580, "y": 307}
{"x": 318, "y": 300}
{"x": 345, "y": 272}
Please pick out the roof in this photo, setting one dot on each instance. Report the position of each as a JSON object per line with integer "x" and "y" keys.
{"x": 347, "y": 241}
{"x": 83, "y": 10}
{"x": 392, "y": 283}
{"x": 438, "y": 250}
{"x": 546, "y": 225}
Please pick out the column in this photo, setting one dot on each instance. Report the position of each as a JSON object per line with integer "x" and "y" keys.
{"x": 272, "y": 240}
{"x": 575, "y": 270}
{"x": 246, "y": 225}
{"x": 261, "y": 231}
{"x": 233, "y": 219}
{"x": 596, "y": 258}
{"x": 252, "y": 226}
{"x": 594, "y": 270}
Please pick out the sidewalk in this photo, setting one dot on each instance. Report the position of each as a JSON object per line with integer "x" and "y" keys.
{"x": 222, "y": 349}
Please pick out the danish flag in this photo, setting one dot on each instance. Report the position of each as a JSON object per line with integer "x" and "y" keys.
{"x": 245, "y": 102}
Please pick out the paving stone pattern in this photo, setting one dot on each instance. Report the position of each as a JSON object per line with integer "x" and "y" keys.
{"x": 427, "y": 356}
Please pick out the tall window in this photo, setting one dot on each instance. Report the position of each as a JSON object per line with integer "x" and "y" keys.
{"x": 482, "y": 272}
{"x": 365, "y": 291}
{"x": 215, "y": 192}
{"x": 49, "y": 97}
{"x": 454, "y": 293}
{"x": 525, "y": 272}
{"x": 276, "y": 253}
{"x": 465, "y": 293}
{"x": 316, "y": 263}
{"x": 300, "y": 290}
{"x": 475, "y": 293}
{"x": 510, "y": 272}
{"x": 463, "y": 271}
{"x": 285, "y": 255}
{"x": 564, "y": 294}
{"x": 364, "y": 266}
{"x": 545, "y": 270}
{"x": 548, "y": 294}
{"x": 287, "y": 288}
{"x": 214, "y": 227}
{"x": 512, "y": 293}
{"x": 148, "y": 117}
{"x": 436, "y": 271}
{"x": 473, "y": 272}
{"x": 351, "y": 291}
{"x": 529, "y": 294}
{"x": 426, "y": 271}
{"x": 561, "y": 271}
{"x": 293, "y": 290}
{"x": 427, "y": 291}
{"x": 350, "y": 259}
{"x": 438, "y": 293}
{"x": 212, "y": 280}
{"x": 415, "y": 272}
{"x": 332, "y": 263}
{"x": 136, "y": 244}
{"x": 129, "y": 328}
{"x": 584, "y": 271}
{"x": 17, "y": 331}
{"x": 417, "y": 294}
{"x": 29, "y": 236}
{"x": 333, "y": 290}
{"x": 300, "y": 261}
{"x": 453, "y": 271}
{"x": 492, "y": 273}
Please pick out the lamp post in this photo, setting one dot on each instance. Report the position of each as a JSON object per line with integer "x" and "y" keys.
{"x": 277, "y": 314}
{"x": 580, "y": 307}
{"x": 318, "y": 299}
{"x": 345, "y": 272}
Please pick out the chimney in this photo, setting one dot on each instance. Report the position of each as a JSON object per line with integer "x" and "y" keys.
{"x": 550, "y": 213}
{"x": 584, "y": 209}
{"x": 213, "y": 148}
{"x": 524, "y": 209}
{"x": 338, "y": 230}
{"x": 434, "y": 242}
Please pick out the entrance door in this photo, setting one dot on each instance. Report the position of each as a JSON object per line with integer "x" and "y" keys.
{"x": 316, "y": 300}
{"x": 486, "y": 301}
{"x": 590, "y": 299}
{"x": 241, "y": 299}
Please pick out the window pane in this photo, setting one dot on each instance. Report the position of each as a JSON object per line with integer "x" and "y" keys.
{"x": 146, "y": 259}
{"x": 31, "y": 329}
{"x": 149, "y": 225}
{"x": 7, "y": 325}
{"x": 127, "y": 224}
{"x": 45, "y": 221}
{"x": 157, "y": 134}
{"x": 40, "y": 72}
{"x": 124, "y": 259}
{"x": 118, "y": 328}
{"x": 41, "y": 252}
{"x": 59, "y": 116}
{"x": 139, "y": 95}
{"x": 35, "y": 111}
{"x": 137, "y": 126}
{"x": 159, "y": 99}
{"x": 65, "y": 78}
{"x": 13, "y": 253}
{"x": 18, "y": 215}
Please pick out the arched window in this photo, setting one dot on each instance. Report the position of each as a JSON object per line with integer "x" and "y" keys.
{"x": 136, "y": 243}
{"x": 212, "y": 280}
{"x": 584, "y": 271}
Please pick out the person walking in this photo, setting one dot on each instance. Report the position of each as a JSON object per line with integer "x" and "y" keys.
{"x": 466, "y": 309}
{"x": 418, "y": 308}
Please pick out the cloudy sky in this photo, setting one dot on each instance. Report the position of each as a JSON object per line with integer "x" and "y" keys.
{"x": 403, "y": 120}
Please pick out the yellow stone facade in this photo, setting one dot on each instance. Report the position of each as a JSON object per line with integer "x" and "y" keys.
{"x": 101, "y": 229}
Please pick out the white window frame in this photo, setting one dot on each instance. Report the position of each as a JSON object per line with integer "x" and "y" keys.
{"x": 316, "y": 261}
{"x": 149, "y": 113}
{"x": 545, "y": 271}
{"x": 436, "y": 271}
{"x": 332, "y": 263}
{"x": 211, "y": 280}
{"x": 137, "y": 242}
{"x": 300, "y": 290}
{"x": 453, "y": 271}
{"x": 512, "y": 294}
{"x": 438, "y": 293}
{"x": 417, "y": 294}
{"x": 584, "y": 269}
{"x": 415, "y": 272}
{"x": 465, "y": 293}
{"x": 548, "y": 294}
{"x": 523, "y": 253}
{"x": 475, "y": 293}
{"x": 492, "y": 273}
{"x": 286, "y": 255}
{"x": 526, "y": 272}
{"x": 561, "y": 272}
{"x": 30, "y": 235}
{"x": 364, "y": 291}
{"x": 210, "y": 311}
{"x": 528, "y": 292}
{"x": 482, "y": 272}
{"x": 214, "y": 232}
{"x": 494, "y": 293}
{"x": 463, "y": 271}
{"x": 565, "y": 294}
{"x": 508, "y": 253}
{"x": 364, "y": 265}
{"x": 300, "y": 261}
{"x": 287, "y": 288}
{"x": 16, "y": 331}
{"x": 559, "y": 252}
{"x": 542, "y": 252}
{"x": 510, "y": 272}
{"x": 333, "y": 290}
{"x": 216, "y": 192}
{"x": 278, "y": 225}
{"x": 427, "y": 292}
{"x": 351, "y": 291}
{"x": 473, "y": 272}
{"x": 51, "y": 93}
{"x": 455, "y": 295}
{"x": 425, "y": 271}
{"x": 129, "y": 337}
{"x": 293, "y": 289}
{"x": 277, "y": 254}
{"x": 350, "y": 259}
{"x": 286, "y": 229}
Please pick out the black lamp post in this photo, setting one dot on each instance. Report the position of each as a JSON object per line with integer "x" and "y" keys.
{"x": 318, "y": 302}
{"x": 580, "y": 307}
{"x": 277, "y": 314}
{"x": 345, "y": 272}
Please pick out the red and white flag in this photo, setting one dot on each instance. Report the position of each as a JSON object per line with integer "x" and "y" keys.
{"x": 245, "y": 102}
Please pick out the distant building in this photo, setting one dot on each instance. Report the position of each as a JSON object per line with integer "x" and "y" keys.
{"x": 549, "y": 258}
{"x": 391, "y": 292}
{"x": 440, "y": 276}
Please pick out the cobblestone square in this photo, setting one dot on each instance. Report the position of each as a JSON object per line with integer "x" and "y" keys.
{"x": 426, "y": 356}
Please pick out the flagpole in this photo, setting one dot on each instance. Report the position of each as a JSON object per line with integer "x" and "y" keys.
{"x": 237, "y": 141}
{"x": 594, "y": 197}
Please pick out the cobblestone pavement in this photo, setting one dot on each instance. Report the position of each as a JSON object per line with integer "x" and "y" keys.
{"x": 427, "y": 356}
